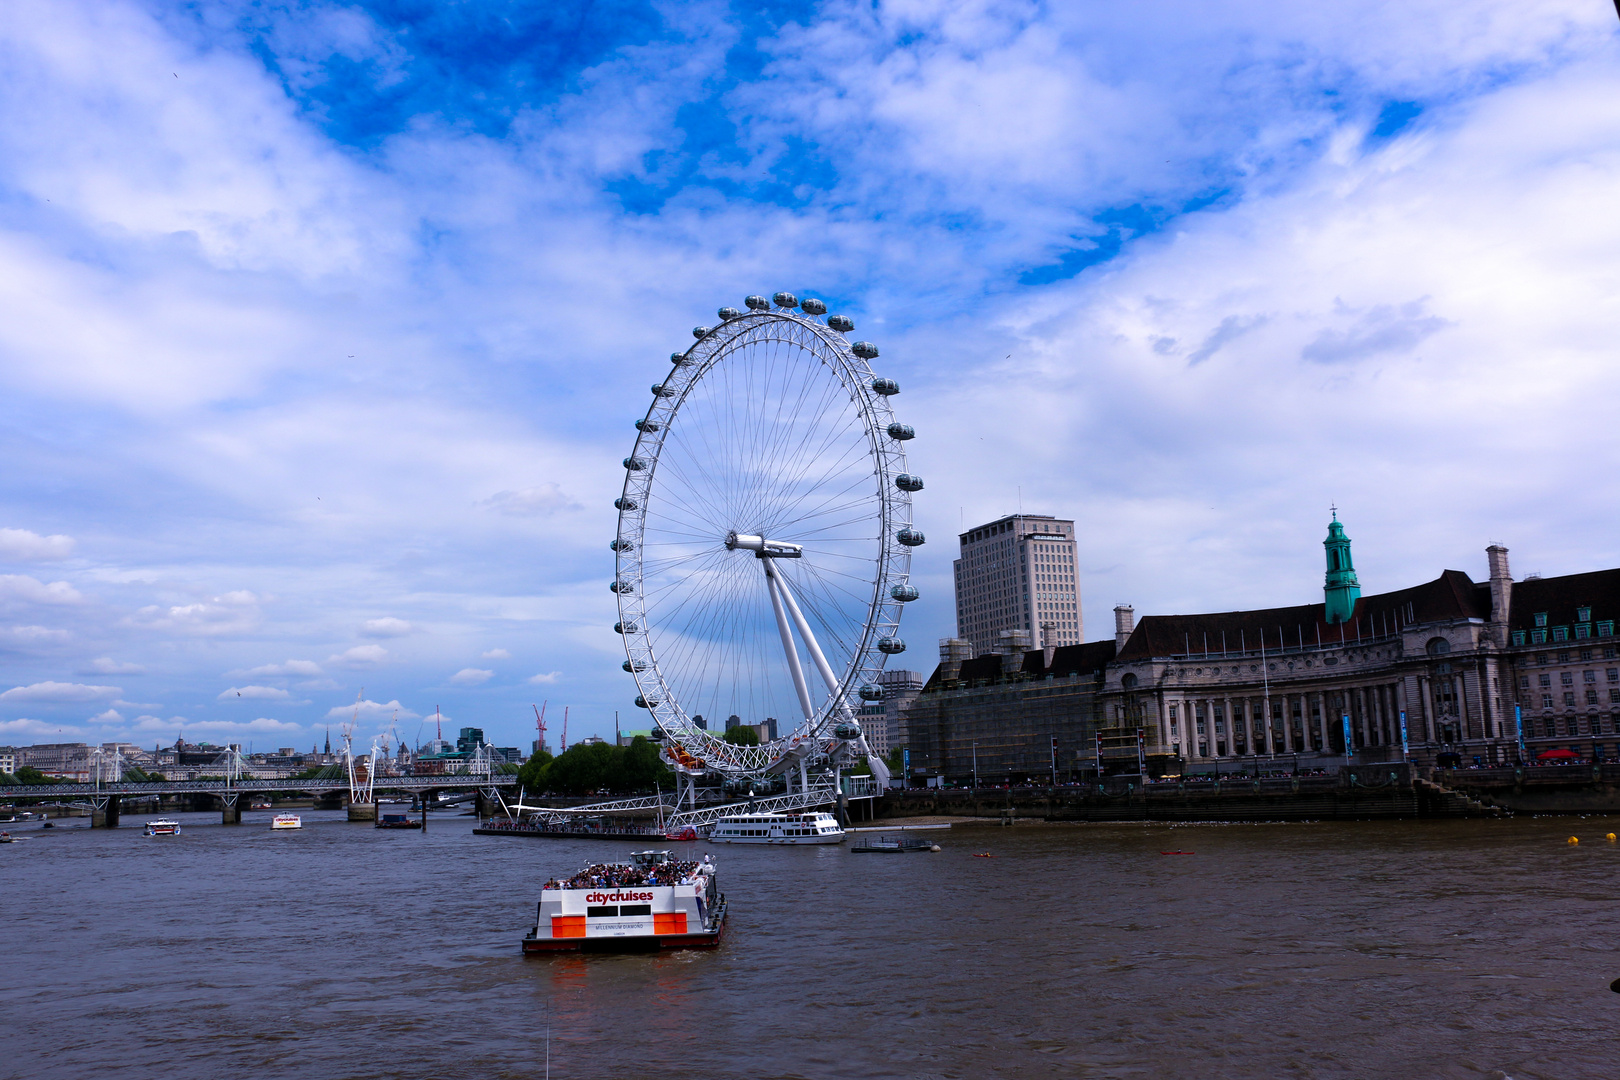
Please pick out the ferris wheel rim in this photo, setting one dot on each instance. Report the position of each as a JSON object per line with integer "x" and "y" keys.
{"x": 885, "y": 451}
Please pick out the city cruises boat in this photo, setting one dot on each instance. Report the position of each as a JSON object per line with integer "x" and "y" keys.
{"x": 286, "y": 821}
{"x": 163, "y": 827}
{"x": 653, "y": 902}
{"x": 762, "y": 828}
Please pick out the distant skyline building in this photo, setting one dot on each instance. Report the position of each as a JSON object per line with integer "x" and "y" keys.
{"x": 1018, "y": 575}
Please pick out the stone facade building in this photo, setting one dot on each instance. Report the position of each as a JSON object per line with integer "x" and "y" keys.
{"x": 1018, "y": 575}
{"x": 1448, "y": 666}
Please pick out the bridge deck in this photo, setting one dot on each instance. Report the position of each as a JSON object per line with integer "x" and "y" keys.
{"x": 414, "y": 784}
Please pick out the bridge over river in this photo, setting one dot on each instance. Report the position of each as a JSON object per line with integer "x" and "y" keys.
{"x": 107, "y": 796}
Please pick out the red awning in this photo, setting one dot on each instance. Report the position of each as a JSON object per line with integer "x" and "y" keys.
{"x": 1558, "y": 755}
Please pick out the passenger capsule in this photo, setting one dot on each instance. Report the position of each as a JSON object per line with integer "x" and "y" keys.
{"x": 679, "y": 359}
{"x": 643, "y": 703}
{"x": 904, "y": 593}
{"x": 624, "y": 628}
{"x": 660, "y": 390}
{"x": 729, "y": 313}
{"x": 812, "y": 306}
{"x": 885, "y": 387}
{"x": 847, "y": 731}
{"x": 910, "y": 537}
{"x": 621, "y": 545}
{"x": 757, "y": 303}
{"x": 635, "y": 464}
{"x": 842, "y": 323}
{"x": 908, "y": 482}
{"x": 621, "y": 503}
{"x": 891, "y": 645}
{"x": 870, "y": 692}
{"x": 623, "y": 588}
{"x": 701, "y": 331}
{"x": 785, "y": 299}
{"x": 647, "y": 425}
{"x": 901, "y": 432}
{"x": 865, "y": 350}
{"x": 633, "y": 666}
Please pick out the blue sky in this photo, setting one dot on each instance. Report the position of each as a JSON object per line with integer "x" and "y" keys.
{"x": 324, "y": 325}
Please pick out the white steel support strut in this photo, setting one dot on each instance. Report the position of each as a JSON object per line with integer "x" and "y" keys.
{"x": 773, "y": 584}
{"x": 816, "y": 655}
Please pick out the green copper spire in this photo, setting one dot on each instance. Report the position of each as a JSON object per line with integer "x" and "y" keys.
{"x": 1342, "y": 590}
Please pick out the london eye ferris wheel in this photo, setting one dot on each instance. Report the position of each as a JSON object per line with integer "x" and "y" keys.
{"x": 764, "y": 541}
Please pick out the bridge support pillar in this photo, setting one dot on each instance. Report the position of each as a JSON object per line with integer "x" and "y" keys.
{"x": 105, "y": 811}
{"x": 230, "y": 809}
{"x": 481, "y": 805}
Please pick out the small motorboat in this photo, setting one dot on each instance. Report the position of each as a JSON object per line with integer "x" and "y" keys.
{"x": 891, "y": 845}
{"x": 286, "y": 821}
{"x": 686, "y": 832}
{"x": 397, "y": 821}
{"x": 162, "y": 827}
{"x": 983, "y": 855}
{"x": 7, "y": 838}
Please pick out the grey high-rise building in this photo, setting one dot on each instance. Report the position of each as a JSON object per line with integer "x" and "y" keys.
{"x": 1017, "y": 583}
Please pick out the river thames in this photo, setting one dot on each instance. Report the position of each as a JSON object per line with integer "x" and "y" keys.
{"x": 1434, "y": 949}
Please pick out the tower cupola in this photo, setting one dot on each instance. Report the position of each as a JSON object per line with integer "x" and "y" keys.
{"x": 1341, "y": 590}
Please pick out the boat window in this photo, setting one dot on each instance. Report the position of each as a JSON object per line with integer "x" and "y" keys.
{"x": 607, "y": 912}
{"x": 635, "y": 909}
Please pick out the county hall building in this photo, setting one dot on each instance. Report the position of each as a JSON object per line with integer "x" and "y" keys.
{"x": 1470, "y": 667}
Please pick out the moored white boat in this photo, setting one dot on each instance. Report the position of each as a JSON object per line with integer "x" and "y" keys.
{"x": 287, "y": 821}
{"x": 163, "y": 827}
{"x": 762, "y": 828}
{"x": 653, "y": 902}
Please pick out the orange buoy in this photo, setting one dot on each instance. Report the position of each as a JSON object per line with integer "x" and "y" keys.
{"x": 1574, "y": 840}
{"x": 1610, "y": 838}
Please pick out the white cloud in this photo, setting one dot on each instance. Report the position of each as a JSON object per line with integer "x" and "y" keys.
{"x": 53, "y": 732}
{"x": 263, "y": 725}
{"x": 291, "y": 667}
{"x": 497, "y": 654}
{"x": 253, "y": 693}
{"x": 371, "y": 710}
{"x": 227, "y": 615}
{"x": 106, "y": 665}
{"x": 20, "y": 588}
{"x": 60, "y": 691}
{"x": 386, "y": 628}
{"x": 542, "y": 501}
{"x": 122, "y": 704}
{"x": 33, "y": 635}
{"x": 20, "y": 545}
{"x": 111, "y": 716}
{"x": 361, "y": 656}
{"x": 546, "y": 678}
{"x": 471, "y": 676}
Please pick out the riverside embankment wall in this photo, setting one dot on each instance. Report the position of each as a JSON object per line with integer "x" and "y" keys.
{"x": 1540, "y": 789}
{"x": 1359, "y": 793}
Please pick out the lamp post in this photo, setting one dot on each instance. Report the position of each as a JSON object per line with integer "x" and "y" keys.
{"x": 975, "y": 766}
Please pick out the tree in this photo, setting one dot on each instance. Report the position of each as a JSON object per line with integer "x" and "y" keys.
{"x": 30, "y": 775}
{"x": 742, "y": 735}
{"x": 533, "y": 774}
{"x": 896, "y": 760}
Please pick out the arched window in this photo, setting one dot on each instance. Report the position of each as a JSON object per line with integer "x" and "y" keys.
{"x": 1438, "y": 646}
{"x": 1128, "y": 682}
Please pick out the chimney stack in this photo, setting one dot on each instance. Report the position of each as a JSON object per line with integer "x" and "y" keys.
{"x": 1501, "y": 593}
{"x": 952, "y": 651}
{"x": 1124, "y": 623}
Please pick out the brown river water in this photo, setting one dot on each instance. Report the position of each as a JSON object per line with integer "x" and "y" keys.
{"x": 1412, "y": 949}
